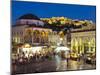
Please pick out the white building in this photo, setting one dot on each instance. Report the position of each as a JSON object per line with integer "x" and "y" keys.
{"x": 24, "y": 23}
{"x": 28, "y": 29}
{"x": 83, "y": 40}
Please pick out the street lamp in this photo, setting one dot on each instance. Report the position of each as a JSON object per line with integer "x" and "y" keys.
{"x": 61, "y": 39}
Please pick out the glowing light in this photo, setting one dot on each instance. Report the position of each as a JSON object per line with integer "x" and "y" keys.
{"x": 27, "y": 45}
{"x": 61, "y": 39}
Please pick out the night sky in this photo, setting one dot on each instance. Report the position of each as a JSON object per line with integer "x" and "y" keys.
{"x": 43, "y": 10}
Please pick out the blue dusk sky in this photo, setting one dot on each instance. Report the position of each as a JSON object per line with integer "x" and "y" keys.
{"x": 46, "y": 10}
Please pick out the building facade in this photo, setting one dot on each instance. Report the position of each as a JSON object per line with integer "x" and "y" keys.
{"x": 27, "y": 30}
{"x": 83, "y": 41}
{"x": 30, "y": 29}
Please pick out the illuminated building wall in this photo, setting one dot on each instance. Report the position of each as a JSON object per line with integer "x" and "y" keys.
{"x": 36, "y": 35}
{"x": 83, "y": 41}
{"x": 18, "y": 33}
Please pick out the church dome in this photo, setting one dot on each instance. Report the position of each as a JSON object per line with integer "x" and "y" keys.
{"x": 29, "y": 16}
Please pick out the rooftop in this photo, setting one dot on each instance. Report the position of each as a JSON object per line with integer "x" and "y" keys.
{"x": 29, "y": 16}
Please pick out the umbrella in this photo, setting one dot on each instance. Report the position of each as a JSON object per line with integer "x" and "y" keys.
{"x": 62, "y": 48}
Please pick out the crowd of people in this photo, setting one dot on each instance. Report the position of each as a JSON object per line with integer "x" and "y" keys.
{"x": 30, "y": 57}
{"x": 43, "y": 55}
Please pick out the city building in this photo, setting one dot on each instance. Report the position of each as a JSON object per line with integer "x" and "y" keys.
{"x": 83, "y": 40}
{"x": 28, "y": 29}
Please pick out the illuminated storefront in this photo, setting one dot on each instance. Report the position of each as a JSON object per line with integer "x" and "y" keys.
{"x": 83, "y": 41}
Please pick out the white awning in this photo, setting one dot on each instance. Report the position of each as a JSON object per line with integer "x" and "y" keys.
{"x": 62, "y": 48}
{"x": 34, "y": 49}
